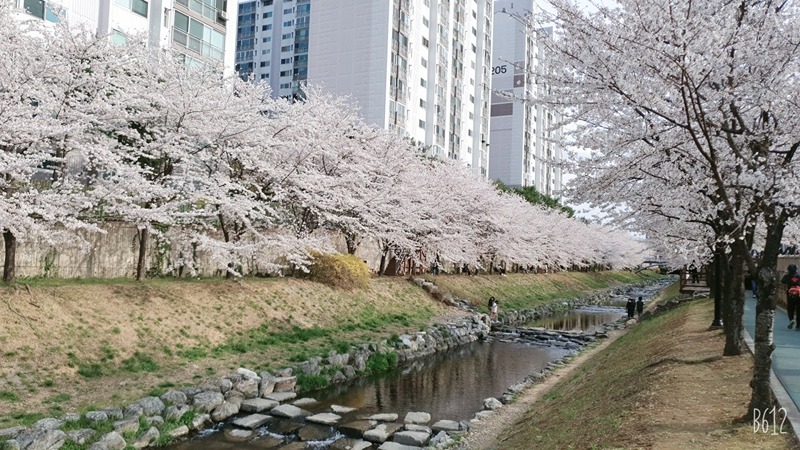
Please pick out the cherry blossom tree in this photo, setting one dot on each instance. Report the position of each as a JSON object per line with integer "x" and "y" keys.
{"x": 689, "y": 110}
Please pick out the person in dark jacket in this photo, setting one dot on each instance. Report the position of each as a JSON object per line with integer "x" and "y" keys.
{"x": 639, "y": 308}
{"x": 792, "y": 279}
{"x": 631, "y": 307}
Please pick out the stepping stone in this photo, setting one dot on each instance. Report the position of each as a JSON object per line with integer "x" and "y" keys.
{"x": 312, "y": 432}
{"x": 324, "y": 419}
{"x": 383, "y": 417}
{"x": 283, "y": 427}
{"x": 395, "y": 446}
{"x": 357, "y": 428}
{"x": 417, "y": 417}
{"x": 289, "y": 411}
{"x": 258, "y": 405}
{"x": 303, "y": 402}
{"x": 338, "y": 409}
{"x": 446, "y": 425}
{"x": 350, "y": 444}
{"x": 382, "y": 432}
{"x": 238, "y": 435}
{"x": 416, "y": 438}
{"x": 252, "y": 421}
{"x": 415, "y": 427}
{"x": 281, "y": 397}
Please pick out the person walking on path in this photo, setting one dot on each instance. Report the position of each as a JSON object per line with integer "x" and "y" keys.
{"x": 631, "y": 307}
{"x": 792, "y": 282}
{"x": 639, "y": 308}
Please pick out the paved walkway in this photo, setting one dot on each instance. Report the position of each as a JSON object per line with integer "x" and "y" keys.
{"x": 785, "y": 359}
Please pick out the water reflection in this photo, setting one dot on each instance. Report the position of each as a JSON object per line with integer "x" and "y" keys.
{"x": 448, "y": 385}
{"x": 587, "y": 319}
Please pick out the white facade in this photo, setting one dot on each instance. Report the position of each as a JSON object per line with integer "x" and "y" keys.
{"x": 524, "y": 150}
{"x": 196, "y": 29}
{"x": 421, "y": 67}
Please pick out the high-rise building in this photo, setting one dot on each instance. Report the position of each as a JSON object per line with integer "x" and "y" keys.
{"x": 421, "y": 67}
{"x": 197, "y": 29}
{"x": 525, "y": 149}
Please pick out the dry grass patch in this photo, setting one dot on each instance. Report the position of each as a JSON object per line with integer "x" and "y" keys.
{"x": 662, "y": 385}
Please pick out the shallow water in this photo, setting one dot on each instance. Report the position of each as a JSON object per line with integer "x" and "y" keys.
{"x": 587, "y": 319}
{"x": 449, "y": 385}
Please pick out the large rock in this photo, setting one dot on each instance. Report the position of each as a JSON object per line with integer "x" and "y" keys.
{"x": 81, "y": 436}
{"x": 208, "y": 401}
{"x": 339, "y": 409}
{"x": 200, "y": 421}
{"x": 48, "y": 424}
{"x": 96, "y": 416}
{"x": 247, "y": 373}
{"x": 248, "y": 387}
{"x": 492, "y": 403}
{"x": 11, "y": 432}
{"x": 289, "y": 411}
{"x": 304, "y": 402}
{"x": 258, "y": 405}
{"x": 41, "y": 439}
{"x": 126, "y": 425}
{"x": 234, "y": 396}
{"x": 267, "y": 384}
{"x": 146, "y": 438}
{"x": 151, "y": 406}
{"x": 237, "y": 435}
{"x": 174, "y": 413}
{"x": 176, "y": 398}
{"x": 111, "y": 441}
{"x": 252, "y": 421}
{"x": 224, "y": 411}
{"x": 285, "y": 384}
{"x": 415, "y": 427}
{"x": 417, "y": 438}
{"x": 182, "y": 430}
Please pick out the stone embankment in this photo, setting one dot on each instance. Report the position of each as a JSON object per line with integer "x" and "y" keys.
{"x": 265, "y": 405}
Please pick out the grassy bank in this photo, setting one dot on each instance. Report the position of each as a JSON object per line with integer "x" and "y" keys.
{"x": 523, "y": 291}
{"x": 73, "y": 346}
{"x": 663, "y": 384}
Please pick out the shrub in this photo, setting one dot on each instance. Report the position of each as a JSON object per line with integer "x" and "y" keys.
{"x": 342, "y": 271}
{"x": 308, "y": 382}
{"x": 381, "y": 362}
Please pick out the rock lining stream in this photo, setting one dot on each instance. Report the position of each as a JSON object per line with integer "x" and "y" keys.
{"x": 410, "y": 408}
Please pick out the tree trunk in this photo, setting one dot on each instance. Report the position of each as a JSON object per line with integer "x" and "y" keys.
{"x": 768, "y": 284}
{"x": 352, "y": 246}
{"x": 714, "y": 281}
{"x": 733, "y": 305}
{"x": 10, "y": 262}
{"x": 382, "y": 268}
{"x": 141, "y": 264}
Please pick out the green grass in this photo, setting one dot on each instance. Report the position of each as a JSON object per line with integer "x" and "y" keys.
{"x": 139, "y": 362}
{"x": 601, "y": 393}
{"x": 381, "y": 362}
{"x": 8, "y": 396}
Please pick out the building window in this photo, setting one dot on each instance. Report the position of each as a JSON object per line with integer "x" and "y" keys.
{"x": 425, "y": 42}
{"x": 286, "y": 60}
{"x": 424, "y": 62}
{"x": 266, "y": 39}
{"x": 287, "y": 48}
{"x": 425, "y": 21}
{"x": 423, "y": 83}
{"x": 422, "y": 103}
{"x": 196, "y": 36}
{"x": 44, "y": 10}
{"x": 286, "y": 73}
{"x": 266, "y": 27}
{"x": 118, "y": 37}
{"x": 264, "y": 63}
{"x": 288, "y": 10}
{"x": 267, "y": 15}
{"x": 422, "y": 124}
{"x": 137, "y": 6}
{"x": 288, "y": 23}
{"x": 286, "y": 85}
{"x": 288, "y": 36}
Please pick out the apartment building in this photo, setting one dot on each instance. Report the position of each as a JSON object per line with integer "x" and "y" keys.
{"x": 421, "y": 67}
{"x": 525, "y": 145}
{"x": 197, "y": 29}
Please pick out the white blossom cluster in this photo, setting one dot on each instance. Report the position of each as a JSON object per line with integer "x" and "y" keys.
{"x": 92, "y": 131}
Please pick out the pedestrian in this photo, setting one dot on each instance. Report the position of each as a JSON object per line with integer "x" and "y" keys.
{"x": 792, "y": 282}
{"x": 492, "y": 309}
{"x": 631, "y": 307}
{"x": 639, "y": 308}
{"x": 695, "y": 274}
